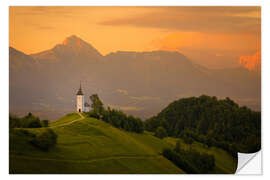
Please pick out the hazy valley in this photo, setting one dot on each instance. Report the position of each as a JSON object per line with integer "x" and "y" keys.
{"x": 139, "y": 83}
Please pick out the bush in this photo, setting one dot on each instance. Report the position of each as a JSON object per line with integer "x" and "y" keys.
{"x": 45, "y": 123}
{"x": 161, "y": 132}
{"x": 28, "y": 121}
{"x": 178, "y": 147}
{"x": 93, "y": 114}
{"x": 31, "y": 122}
{"x": 14, "y": 122}
{"x": 187, "y": 139}
{"x": 45, "y": 140}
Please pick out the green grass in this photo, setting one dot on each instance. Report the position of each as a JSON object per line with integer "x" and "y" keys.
{"x": 93, "y": 146}
{"x": 90, "y": 146}
{"x": 65, "y": 119}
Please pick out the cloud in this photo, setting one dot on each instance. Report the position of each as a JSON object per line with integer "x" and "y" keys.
{"x": 122, "y": 91}
{"x": 43, "y": 105}
{"x": 252, "y": 62}
{"x": 43, "y": 10}
{"x": 145, "y": 98}
{"x": 40, "y": 27}
{"x": 196, "y": 19}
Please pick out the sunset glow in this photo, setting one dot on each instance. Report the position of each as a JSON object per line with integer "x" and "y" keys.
{"x": 211, "y": 36}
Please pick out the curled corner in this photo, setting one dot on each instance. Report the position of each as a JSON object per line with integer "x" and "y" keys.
{"x": 249, "y": 163}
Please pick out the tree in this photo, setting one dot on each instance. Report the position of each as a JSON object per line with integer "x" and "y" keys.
{"x": 45, "y": 123}
{"x": 30, "y": 121}
{"x": 97, "y": 105}
{"x": 164, "y": 123}
{"x": 14, "y": 122}
{"x": 211, "y": 121}
{"x": 178, "y": 147}
{"x": 161, "y": 132}
{"x": 29, "y": 114}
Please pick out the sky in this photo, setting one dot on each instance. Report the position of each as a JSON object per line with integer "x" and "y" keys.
{"x": 216, "y": 37}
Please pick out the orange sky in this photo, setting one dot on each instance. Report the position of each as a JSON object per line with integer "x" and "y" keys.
{"x": 212, "y": 36}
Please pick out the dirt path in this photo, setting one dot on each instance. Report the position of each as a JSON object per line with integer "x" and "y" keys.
{"x": 68, "y": 123}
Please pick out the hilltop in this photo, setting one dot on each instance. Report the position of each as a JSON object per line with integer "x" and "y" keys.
{"x": 215, "y": 122}
{"x": 88, "y": 145}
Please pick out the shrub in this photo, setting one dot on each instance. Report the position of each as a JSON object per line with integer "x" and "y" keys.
{"x": 178, "y": 147}
{"x": 14, "y": 122}
{"x": 31, "y": 122}
{"x": 93, "y": 114}
{"x": 28, "y": 121}
{"x": 187, "y": 139}
{"x": 161, "y": 132}
{"x": 45, "y": 140}
{"x": 45, "y": 123}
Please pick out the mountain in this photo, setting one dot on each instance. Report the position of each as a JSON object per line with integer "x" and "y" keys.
{"x": 20, "y": 61}
{"x": 88, "y": 145}
{"x": 72, "y": 48}
{"x": 140, "y": 83}
{"x": 23, "y": 72}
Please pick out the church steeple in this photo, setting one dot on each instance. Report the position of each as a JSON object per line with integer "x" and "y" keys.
{"x": 80, "y": 90}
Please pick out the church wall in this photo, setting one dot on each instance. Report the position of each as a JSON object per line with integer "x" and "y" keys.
{"x": 80, "y": 103}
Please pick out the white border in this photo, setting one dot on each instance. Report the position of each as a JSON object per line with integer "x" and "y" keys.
{"x": 4, "y": 77}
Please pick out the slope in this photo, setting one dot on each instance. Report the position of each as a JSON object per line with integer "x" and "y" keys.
{"x": 87, "y": 145}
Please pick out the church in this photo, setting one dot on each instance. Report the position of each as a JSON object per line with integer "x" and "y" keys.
{"x": 81, "y": 105}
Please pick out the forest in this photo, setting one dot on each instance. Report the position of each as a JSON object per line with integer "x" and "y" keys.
{"x": 215, "y": 122}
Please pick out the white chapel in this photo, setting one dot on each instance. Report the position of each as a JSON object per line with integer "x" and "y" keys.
{"x": 81, "y": 105}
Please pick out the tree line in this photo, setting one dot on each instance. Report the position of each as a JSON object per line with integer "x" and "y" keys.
{"x": 28, "y": 121}
{"x": 117, "y": 118}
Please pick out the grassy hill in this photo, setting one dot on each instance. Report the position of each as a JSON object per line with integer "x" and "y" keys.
{"x": 88, "y": 145}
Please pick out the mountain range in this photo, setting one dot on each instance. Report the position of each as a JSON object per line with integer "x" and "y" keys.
{"x": 139, "y": 83}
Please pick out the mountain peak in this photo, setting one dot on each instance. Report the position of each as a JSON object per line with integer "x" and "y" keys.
{"x": 75, "y": 44}
{"x": 70, "y": 48}
{"x": 73, "y": 40}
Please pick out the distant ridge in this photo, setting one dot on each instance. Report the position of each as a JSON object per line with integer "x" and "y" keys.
{"x": 140, "y": 83}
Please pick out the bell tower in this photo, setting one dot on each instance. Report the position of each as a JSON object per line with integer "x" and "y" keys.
{"x": 80, "y": 100}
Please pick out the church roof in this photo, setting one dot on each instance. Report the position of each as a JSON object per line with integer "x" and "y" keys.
{"x": 80, "y": 91}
